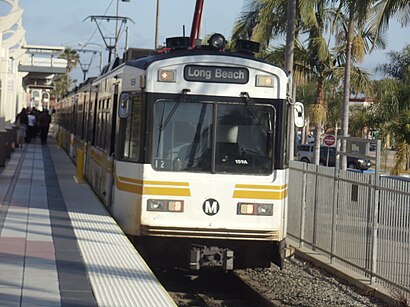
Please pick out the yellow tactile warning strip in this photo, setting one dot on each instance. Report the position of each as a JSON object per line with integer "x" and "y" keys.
{"x": 118, "y": 274}
{"x": 148, "y": 187}
{"x": 260, "y": 191}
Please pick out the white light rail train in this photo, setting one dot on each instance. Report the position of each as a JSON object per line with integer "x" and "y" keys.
{"x": 187, "y": 149}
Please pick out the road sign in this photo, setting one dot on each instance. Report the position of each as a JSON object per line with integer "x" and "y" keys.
{"x": 329, "y": 140}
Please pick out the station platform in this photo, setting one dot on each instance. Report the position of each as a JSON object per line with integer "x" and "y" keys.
{"x": 58, "y": 244}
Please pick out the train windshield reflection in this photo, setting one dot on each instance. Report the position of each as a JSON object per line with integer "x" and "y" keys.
{"x": 213, "y": 137}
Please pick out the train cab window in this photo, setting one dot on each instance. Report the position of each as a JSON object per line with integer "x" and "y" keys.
{"x": 213, "y": 137}
{"x": 182, "y": 136}
{"x": 244, "y": 139}
{"x": 132, "y": 125}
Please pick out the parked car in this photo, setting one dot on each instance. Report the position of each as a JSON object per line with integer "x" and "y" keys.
{"x": 305, "y": 154}
{"x": 310, "y": 139}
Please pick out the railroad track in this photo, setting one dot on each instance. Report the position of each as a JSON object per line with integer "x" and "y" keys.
{"x": 300, "y": 283}
{"x": 210, "y": 289}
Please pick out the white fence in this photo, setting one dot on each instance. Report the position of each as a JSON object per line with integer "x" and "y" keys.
{"x": 346, "y": 216}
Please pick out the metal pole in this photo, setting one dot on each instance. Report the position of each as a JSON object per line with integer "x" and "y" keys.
{"x": 335, "y": 200}
{"x": 116, "y": 30}
{"x": 196, "y": 22}
{"x": 314, "y": 235}
{"x": 157, "y": 26}
{"x": 303, "y": 206}
{"x": 126, "y": 38}
{"x": 100, "y": 55}
{"x": 289, "y": 59}
{"x": 375, "y": 213}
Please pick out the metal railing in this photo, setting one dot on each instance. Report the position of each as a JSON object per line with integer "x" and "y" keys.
{"x": 353, "y": 219}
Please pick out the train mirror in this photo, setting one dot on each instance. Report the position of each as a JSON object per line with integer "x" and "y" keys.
{"x": 125, "y": 105}
{"x": 299, "y": 111}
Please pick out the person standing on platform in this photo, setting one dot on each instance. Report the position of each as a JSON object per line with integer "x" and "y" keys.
{"x": 44, "y": 120}
{"x": 21, "y": 124}
{"x": 31, "y": 127}
{"x": 36, "y": 113}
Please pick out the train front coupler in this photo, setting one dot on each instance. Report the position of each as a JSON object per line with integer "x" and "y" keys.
{"x": 202, "y": 256}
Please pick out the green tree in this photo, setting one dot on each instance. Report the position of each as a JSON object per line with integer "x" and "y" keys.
{"x": 352, "y": 18}
{"x": 289, "y": 58}
{"x": 321, "y": 62}
{"x": 360, "y": 122}
{"x": 262, "y": 22}
{"x": 63, "y": 82}
{"x": 398, "y": 66}
{"x": 391, "y": 110}
{"x": 400, "y": 128}
{"x": 385, "y": 10}
{"x": 356, "y": 15}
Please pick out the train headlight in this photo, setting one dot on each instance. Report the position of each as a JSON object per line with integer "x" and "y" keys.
{"x": 255, "y": 209}
{"x": 264, "y": 81}
{"x": 164, "y": 205}
{"x": 265, "y": 209}
{"x": 156, "y": 205}
{"x": 217, "y": 41}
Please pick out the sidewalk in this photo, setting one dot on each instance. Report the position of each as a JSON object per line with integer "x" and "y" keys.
{"x": 58, "y": 244}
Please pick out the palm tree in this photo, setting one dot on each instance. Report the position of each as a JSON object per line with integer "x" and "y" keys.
{"x": 351, "y": 16}
{"x": 377, "y": 13}
{"x": 400, "y": 127}
{"x": 63, "y": 82}
{"x": 385, "y": 10}
{"x": 264, "y": 20}
{"x": 261, "y": 22}
{"x": 393, "y": 104}
{"x": 321, "y": 61}
{"x": 324, "y": 64}
{"x": 289, "y": 55}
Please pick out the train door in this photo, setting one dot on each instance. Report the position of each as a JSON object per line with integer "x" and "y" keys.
{"x": 109, "y": 178}
{"x": 91, "y": 127}
{"x": 126, "y": 205}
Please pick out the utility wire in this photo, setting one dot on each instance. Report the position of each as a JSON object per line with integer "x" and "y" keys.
{"x": 95, "y": 31}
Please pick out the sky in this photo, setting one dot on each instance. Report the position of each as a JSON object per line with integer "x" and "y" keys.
{"x": 67, "y": 23}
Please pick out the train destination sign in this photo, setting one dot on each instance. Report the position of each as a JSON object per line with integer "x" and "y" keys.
{"x": 216, "y": 74}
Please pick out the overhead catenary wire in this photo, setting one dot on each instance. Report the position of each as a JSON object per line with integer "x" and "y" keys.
{"x": 95, "y": 31}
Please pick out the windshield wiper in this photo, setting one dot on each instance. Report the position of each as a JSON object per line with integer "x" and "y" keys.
{"x": 174, "y": 108}
{"x": 270, "y": 129}
{"x": 248, "y": 98}
{"x": 165, "y": 122}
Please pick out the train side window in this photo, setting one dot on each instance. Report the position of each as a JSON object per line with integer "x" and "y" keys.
{"x": 103, "y": 132}
{"x": 132, "y": 128}
{"x": 125, "y": 103}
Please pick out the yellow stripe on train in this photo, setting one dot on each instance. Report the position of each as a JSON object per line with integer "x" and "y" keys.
{"x": 137, "y": 186}
{"x": 251, "y": 191}
{"x": 139, "y": 181}
{"x": 261, "y": 187}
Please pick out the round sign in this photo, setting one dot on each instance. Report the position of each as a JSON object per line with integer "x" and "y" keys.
{"x": 210, "y": 206}
{"x": 329, "y": 140}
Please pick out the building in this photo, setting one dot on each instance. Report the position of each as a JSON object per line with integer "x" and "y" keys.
{"x": 26, "y": 74}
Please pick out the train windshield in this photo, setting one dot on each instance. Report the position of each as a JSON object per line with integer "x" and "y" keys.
{"x": 216, "y": 137}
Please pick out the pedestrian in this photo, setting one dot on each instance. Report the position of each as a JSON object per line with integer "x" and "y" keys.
{"x": 44, "y": 120}
{"x": 36, "y": 130}
{"x": 31, "y": 127}
{"x": 21, "y": 125}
